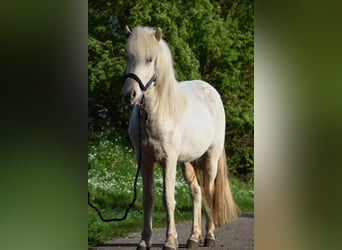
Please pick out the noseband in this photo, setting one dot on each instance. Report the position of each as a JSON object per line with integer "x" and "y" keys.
{"x": 141, "y": 85}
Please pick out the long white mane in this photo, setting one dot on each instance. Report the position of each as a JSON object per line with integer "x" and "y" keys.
{"x": 168, "y": 101}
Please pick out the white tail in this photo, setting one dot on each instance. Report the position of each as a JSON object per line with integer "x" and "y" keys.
{"x": 219, "y": 202}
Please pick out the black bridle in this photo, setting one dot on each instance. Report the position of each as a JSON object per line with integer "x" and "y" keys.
{"x": 141, "y": 85}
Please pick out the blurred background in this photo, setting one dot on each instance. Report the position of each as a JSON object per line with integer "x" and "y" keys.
{"x": 44, "y": 126}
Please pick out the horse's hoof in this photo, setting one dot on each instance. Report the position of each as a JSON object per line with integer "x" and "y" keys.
{"x": 209, "y": 242}
{"x": 192, "y": 244}
{"x": 143, "y": 248}
{"x": 169, "y": 248}
{"x": 171, "y": 244}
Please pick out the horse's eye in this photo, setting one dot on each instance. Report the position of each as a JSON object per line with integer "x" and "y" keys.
{"x": 149, "y": 60}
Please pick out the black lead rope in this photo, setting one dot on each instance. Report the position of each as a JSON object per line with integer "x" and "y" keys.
{"x": 128, "y": 208}
{"x": 141, "y": 105}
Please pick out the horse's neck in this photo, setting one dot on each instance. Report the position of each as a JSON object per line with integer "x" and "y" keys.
{"x": 167, "y": 102}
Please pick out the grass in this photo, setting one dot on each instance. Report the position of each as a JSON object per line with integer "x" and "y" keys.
{"x": 111, "y": 173}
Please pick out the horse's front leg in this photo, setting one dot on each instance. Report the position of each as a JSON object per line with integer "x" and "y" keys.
{"x": 169, "y": 171}
{"x": 147, "y": 181}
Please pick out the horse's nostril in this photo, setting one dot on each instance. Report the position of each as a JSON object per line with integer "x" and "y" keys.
{"x": 127, "y": 98}
{"x": 130, "y": 96}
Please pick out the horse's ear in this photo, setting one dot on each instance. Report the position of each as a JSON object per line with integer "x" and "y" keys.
{"x": 158, "y": 34}
{"x": 127, "y": 31}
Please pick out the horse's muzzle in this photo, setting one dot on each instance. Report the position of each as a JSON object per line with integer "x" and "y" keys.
{"x": 129, "y": 97}
{"x": 130, "y": 93}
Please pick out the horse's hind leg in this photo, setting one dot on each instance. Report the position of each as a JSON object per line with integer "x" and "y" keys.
{"x": 189, "y": 175}
{"x": 209, "y": 167}
{"x": 147, "y": 180}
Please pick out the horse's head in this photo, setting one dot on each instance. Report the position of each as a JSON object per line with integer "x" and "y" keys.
{"x": 141, "y": 56}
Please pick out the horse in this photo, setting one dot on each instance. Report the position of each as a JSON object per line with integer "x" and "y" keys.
{"x": 174, "y": 122}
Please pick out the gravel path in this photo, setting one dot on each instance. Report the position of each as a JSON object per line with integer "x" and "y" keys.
{"x": 236, "y": 236}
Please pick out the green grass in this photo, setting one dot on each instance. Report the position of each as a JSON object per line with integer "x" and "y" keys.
{"x": 111, "y": 173}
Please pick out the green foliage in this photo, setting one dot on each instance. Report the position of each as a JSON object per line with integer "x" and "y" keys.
{"x": 243, "y": 194}
{"x": 209, "y": 40}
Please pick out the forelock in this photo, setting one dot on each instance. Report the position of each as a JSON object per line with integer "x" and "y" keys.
{"x": 141, "y": 41}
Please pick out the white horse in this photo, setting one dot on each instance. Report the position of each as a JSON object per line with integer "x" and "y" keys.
{"x": 179, "y": 121}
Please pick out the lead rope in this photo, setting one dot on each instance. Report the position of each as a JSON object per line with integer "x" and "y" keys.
{"x": 141, "y": 106}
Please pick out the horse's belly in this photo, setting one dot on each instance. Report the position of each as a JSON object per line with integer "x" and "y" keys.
{"x": 195, "y": 142}
{"x": 196, "y": 152}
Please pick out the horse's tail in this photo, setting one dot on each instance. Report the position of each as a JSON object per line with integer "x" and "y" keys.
{"x": 220, "y": 201}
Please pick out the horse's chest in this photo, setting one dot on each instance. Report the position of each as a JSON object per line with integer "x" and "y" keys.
{"x": 153, "y": 141}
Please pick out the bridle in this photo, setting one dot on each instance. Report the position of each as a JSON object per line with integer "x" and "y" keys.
{"x": 141, "y": 85}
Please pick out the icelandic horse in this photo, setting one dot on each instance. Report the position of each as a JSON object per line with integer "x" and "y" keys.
{"x": 174, "y": 122}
